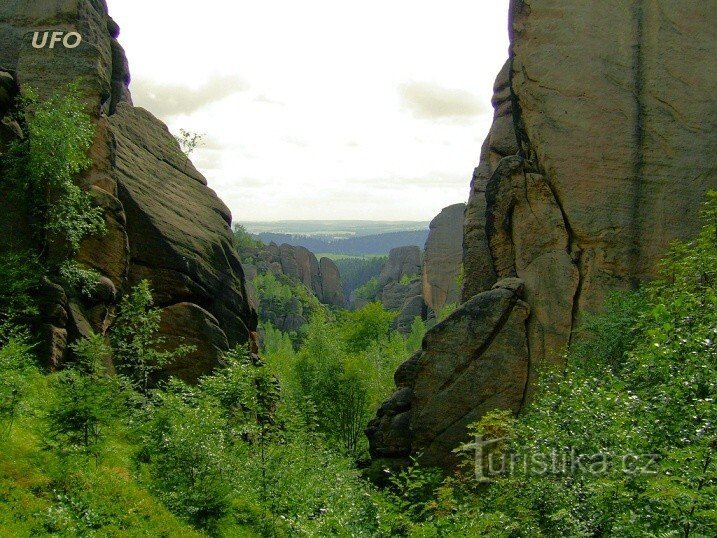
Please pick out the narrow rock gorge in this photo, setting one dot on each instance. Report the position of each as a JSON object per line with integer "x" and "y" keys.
{"x": 601, "y": 151}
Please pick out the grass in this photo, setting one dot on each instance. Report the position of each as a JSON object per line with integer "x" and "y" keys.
{"x": 43, "y": 494}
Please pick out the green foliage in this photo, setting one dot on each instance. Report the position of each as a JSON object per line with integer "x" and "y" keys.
{"x": 86, "y": 400}
{"x": 446, "y": 310}
{"x": 334, "y": 390}
{"x": 78, "y": 278}
{"x": 19, "y": 276}
{"x": 280, "y": 297}
{"x": 357, "y": 271}
{"x": 244, "y": 240}
{"x": 184, "y": 450}
{"x": 369, "y": 291}
{"x": 368, "y": 324}
{"x": 44, "y": 165}
{"x": 136, "y": 344}
{"x": 414, "y": 340}
{"x": 16, "y": 372}
{"x": 189, "y": 141}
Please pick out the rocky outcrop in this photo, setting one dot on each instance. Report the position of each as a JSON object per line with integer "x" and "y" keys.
{"x": 332, "y": 292}
{"x": 473, "y": 361}
{"x": 300, "y": 265}
{"x": 600, "y": 153}
{"x": 443, "y": 258}
{"x": 399, "y": 288}
{"x": 164, "y": 224}
{"x": 402, "y": 262}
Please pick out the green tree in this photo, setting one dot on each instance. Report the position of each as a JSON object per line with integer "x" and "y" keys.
{"x": 16, "y": 371}
{"x": 244, "y": 240}
{"x": 44, "y": 166}
{"x": 336, "y": 392}
{"x": 87, "y": 399}
{"x": 414, "y": 340}
{"x": 185, "y": 451}
{"x": 135, "y": 339}
{"x": 370, "y": 323}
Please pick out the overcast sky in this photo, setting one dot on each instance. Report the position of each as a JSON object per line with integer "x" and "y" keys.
{"x": 322, "y": 109}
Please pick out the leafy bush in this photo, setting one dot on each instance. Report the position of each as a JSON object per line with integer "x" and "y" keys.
{"x": 46, "y": 162}
{"x": 20, "y": 274}
{"x": 87, "y": 399}
{"x": 185, "y": 451}
{"x": 16, "y": 372}
{"x": 369, "y": 291}
{"x": 244, "y": 240}
{"x": 371, "y": 323}
{"x": 357, "y": 271}
{"x": 136, "y": 345}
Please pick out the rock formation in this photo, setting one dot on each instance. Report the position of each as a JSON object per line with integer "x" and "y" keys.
{"x": 164, "y": 224}
{"x": 300, "y": 265}
{"x": 443, "y": 258}
{"x": 402, "y": 262}
{"x": 398, "y": 287}
{"x": 600, "y": 153}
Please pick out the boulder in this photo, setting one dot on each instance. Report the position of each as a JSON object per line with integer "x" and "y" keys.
{"x": 186, "y": 324}
{"x": 178, "y": 229}
{"x": 473, "y": 361}
{"x": 163, "y": 223}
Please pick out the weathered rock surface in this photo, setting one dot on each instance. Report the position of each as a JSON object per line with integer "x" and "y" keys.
{"x": 299, "y": 264}
{"x": 331, "y": 290}
{"x": 473, "y": 361}
{"x": 164, "y": 224}
{"x": 443, "y": 258}
{"x": 600, "y": 153}
{"x": 402, "y": 262}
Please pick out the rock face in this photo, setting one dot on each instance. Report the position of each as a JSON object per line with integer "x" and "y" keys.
{"x": 402, "y": 262}
{"x": 600, "y": 153}
{"x": 473, "y": 361}
{"x": 299, "y": 264}
{"x": 164, "y": 224}
{"x": 399, "y": 287}
{"x": 443, "y": 258}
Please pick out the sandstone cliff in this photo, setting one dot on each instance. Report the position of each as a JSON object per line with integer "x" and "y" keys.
{"x": 600, "y": 153}
{"x": 300, "y": 265}
{"x": 164, "y": 223}
{"x": 443, "y": 258}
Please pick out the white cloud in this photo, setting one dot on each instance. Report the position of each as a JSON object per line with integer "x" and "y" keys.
{"x": 167, "y": 100}
{"x": 299, "y": 100}
{"x": 432, "y": 101}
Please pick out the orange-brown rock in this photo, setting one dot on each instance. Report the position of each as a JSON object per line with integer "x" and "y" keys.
{"x": 600, "y": 153}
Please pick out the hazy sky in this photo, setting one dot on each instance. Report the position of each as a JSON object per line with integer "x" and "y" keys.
{"x": 322, "y": 109}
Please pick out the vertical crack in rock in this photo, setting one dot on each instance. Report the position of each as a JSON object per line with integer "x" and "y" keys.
{"x": 638, "y": 154}
{"x": 532, "y": 163}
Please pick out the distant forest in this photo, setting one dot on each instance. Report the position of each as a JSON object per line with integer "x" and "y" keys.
{"x": 354, "y": 246}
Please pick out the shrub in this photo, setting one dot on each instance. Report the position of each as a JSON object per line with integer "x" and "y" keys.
{"x": 45, "y": 163}
{"x": 136, "y": 344}
{"x": 185, "y": 451}
{"x": 87, "y": 400}
{"x": 16, "y": 370}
